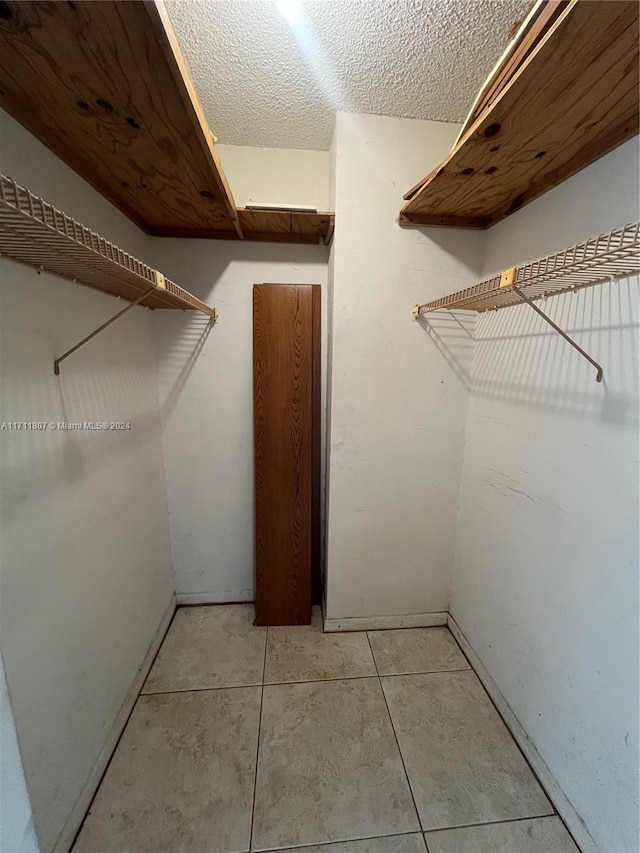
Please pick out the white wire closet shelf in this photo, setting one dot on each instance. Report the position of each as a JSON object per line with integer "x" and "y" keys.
{"x": 605, "y": 258}
{"x": 37, "y": 233}
{"x": 609, "y": 256}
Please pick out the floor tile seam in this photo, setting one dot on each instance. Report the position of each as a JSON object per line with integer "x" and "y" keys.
{"x": 123, "y": 730}
{"x": 395, "y": 735}
{"x": 200, "y": 690}
{"x": 255, "y": 776}
{"x": 303, "y": 681}
{"x": 337, "y": 841}
{"x": 496, "y": 822}
{"x": 260, "y": 684}
{"x": 425, "y": 672}
{"x": 554, "y": 810}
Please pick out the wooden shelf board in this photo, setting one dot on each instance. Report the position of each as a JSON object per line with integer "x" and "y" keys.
{"x": 572, "y": 101}
{"x": 105, "y": 86}
{"x": 269, "y": 226}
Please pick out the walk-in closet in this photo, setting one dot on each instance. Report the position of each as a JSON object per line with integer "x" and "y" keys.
{"x": 319, "y": 407}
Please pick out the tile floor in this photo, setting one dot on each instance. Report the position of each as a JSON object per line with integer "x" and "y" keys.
{"x": 248, "y": 738}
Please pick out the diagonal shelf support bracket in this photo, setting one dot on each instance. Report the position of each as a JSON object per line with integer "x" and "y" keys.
{"x": 599, "y": 371}
{"x": 56, "y": 363}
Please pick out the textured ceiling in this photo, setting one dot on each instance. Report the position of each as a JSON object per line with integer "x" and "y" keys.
{"x": 274, "y": 72}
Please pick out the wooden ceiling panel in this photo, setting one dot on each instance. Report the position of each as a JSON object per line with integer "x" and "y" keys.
{"x": 572, "y": 101}
{"x": 105, "y": 87}
{"x": 267, "y": 226}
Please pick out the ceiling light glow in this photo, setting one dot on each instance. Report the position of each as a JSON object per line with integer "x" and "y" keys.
{"x": 289, "y": 9}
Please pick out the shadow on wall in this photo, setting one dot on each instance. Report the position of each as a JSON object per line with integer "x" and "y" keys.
{"x": 178, "y": 358}
{"x": 517, "y": 357}
{"x": 199, "y": 265}
{"x": 454, "y": 334}
{"x": 89, "y": 390}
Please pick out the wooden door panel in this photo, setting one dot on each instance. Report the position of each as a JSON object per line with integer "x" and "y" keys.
{"x": 283, "y": 417}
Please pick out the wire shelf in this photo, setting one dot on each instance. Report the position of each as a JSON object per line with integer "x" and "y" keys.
{"x": 37, "y": 233}
{"x": 604, "y": 258}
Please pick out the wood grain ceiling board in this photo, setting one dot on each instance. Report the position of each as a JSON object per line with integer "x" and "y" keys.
{"x": 571, "y": 102}
{"x": 105, "y": 87}
{"x": 267, "y": 226}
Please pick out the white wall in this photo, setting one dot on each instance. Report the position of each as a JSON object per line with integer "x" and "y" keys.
{"x": 85, "y": 572}
{"x": 206, "y": 391}
{"x": 546, "y": 570}
{"x": 17, "y": 833}
{"x": 397, "y": 404}
{"x": 277, "y": 175}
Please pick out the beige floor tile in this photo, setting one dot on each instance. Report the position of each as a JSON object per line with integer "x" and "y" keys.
{"x": 305, "y": 653}
{"x": 214, "y": 646}
{"x": 416, "y": 650}
{"x": 541, "y": 835}
{"x": 181, "y": 779}
{"x": 462, "y": 763}
{"x": 328, "y": 766}
{"x": 413, "y": 843}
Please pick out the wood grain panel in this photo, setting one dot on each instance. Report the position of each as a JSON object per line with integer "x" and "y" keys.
{"x": 311, "y": 223}
{"x": 265, "y": 226}
{"x": 316, "y": 444}
{"x": 294, "y": 225}
{"x": 105, "y": 87}
{"x": 571, "y": 101}
{"x": 284, "y": 449}
{"x": 547, "y": 14}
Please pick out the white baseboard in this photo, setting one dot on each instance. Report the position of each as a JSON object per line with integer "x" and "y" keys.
{"x": 564, "y": 808}
{"x": 233, "y": 597}
{"x": 72, "y": 825}
{"x": 381, "y": 623}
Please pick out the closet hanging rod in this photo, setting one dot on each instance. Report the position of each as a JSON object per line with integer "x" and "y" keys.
{"x": 608, "y": 257}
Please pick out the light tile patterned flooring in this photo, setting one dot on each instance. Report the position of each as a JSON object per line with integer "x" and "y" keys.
{"x": 250, "y": 738}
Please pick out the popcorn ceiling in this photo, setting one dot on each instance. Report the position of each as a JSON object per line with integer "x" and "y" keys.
{"x": 405, "y": 58}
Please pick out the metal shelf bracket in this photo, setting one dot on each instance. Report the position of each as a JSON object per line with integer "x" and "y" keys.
{"x": 56, "y": 363}
{"x": 599, "y": 371}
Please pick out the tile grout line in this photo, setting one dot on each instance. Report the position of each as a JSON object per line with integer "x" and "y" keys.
{"x": 305, "y": 681}
{"x": 255, "y": 778}
{"x": 517, "y": 745}
{"x": 200, "y": 689}
{"x": 424, "y": 831}
{"x": 555, "y": 812}
{"x": 262, "y": 684}
{"x": 497, "y": 822}
{"x": 393, "y": 729}
{"x": 124, "y": 728}
{"x": 423, "y": 672}
{"x": 315, "y": 844}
